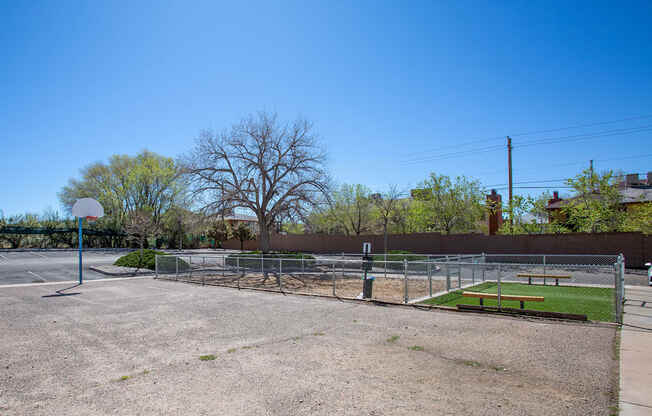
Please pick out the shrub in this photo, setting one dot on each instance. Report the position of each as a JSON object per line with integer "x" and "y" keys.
{"x": 134, "y": 259}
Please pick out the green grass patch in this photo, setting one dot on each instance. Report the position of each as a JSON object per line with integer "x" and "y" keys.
{"x": 230, "y": 350}
{"x": 319, "y": 334}
{"x": 208, "y": 357}
{"x": 399, "y": 255}
{"x": 416, "y": 348}
{"x": 393, "y": 338}
{"x": 124, "y": 378}
{"x": 594, "y": 302}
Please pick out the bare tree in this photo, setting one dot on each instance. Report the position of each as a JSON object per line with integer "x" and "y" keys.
{"x": 386, "y": 204}
{"x": 141, "y": 225}
{"x": 263, "y": 165}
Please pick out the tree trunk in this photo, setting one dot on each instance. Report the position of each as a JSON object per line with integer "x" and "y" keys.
{"x": 263, "y": 236}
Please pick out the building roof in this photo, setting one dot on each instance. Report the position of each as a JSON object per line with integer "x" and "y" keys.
{"x": 628, "y": 196}
{"x": 241, "y": 217}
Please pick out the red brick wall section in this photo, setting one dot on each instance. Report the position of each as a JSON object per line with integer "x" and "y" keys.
{"x": 636, "y": 247}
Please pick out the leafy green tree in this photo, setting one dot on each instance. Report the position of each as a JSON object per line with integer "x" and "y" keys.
{"x": 219, "y": 232}
{"x": 127, "y": 184}
{"x": 639, "y": 218}
{"x": 242, "y": 233}
{"x": 386, "y": 204}
{"x": 449, "y": 206}
{"x": 596, "y": 204}
{"x": 531, "y": 216}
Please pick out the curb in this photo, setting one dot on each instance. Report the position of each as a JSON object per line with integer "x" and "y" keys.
{"x": 126, "y": 274}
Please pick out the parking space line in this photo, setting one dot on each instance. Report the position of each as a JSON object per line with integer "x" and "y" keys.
{"x": 4, "y": 257}
{"x": 34, "y": 274}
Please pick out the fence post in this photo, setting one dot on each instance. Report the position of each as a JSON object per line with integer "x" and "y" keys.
{"x": 189, "y": 267}
{"x": 385, "y": 267}
{"x": 224, "y": 265}
{"x": 459, "y": 273}
{"x": 176, "y": 273}
{"x": 544, "y": 269}
{"x": 430, "y": 278}
{"x": 448, "y": 276}
{"x": 237, "y": 269}
{"x": 262, "y": 264}
{"x": 303, "y": 269}
{"x": 156, "y": 266}
{"x": 405, "y": 268}
{"x": 621, "y": 287}
{"x": 333, "y": 274}
{"x": 280, "y": 273}
{"x": 499, "y": 278}
{"x": 484, "y": 267}
{"x": 473, "y": 260}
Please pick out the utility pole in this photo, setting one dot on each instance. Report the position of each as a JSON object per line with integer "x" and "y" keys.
{"x": 509, "y": 169}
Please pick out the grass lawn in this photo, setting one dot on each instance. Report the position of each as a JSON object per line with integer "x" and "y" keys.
{"x": 594, "y": 302}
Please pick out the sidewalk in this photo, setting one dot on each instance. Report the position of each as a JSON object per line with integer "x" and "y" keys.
{"x": 636, "y": 353}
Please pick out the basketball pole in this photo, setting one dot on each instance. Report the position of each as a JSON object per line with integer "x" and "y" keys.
{"x": 80, "y": 249}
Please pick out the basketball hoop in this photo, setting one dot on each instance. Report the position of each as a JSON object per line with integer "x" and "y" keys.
{"x": 91, "y": 210}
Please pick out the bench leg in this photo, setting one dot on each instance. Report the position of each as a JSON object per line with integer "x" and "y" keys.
{"x": 556, "y": 282}
{"x": 522, "y": 305}
{"x": 481, "y": 302}
{"x": 529, "y": 280}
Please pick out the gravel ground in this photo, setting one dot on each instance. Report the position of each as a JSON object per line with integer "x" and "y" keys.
{"x": 133, "y": 347}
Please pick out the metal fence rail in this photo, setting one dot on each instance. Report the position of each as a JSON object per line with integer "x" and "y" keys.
{"x": 411, "y": 281}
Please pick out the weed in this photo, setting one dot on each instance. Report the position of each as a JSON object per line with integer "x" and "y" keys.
{"x": 393, "y": 338}
{"x": 208, "y": 357}
{"x": 416, "y": 348}
{"x": 230, "y": 350}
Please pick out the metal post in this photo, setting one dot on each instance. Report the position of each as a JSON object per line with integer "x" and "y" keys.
{"x": 621, "y": 287}
{"x": 189, "y": 267}
{"x": 405, "y": 268}
{"x": 459, "y": 273}
{"x": 544, "y": 270}
{"x": 385, "y": 257}
{"x": 156, "y": 266}
{"x": 484, "y": 267}
{"x": 176, "y": 273}
{"x": 473, "y": 271}
{"x": 280, "y": 273}
{"x": 224, "y": 265}
{"x": 448, "y": 277}
{"x": 79, "y": 233}
{"x": 499, "y": 278}
{"x": 303, "y": 269}
{"x": 333, "y": 274}
{"x": 237, "y": 269}
{"x": 262, "y": 264}
{"x": 430, "y": 278}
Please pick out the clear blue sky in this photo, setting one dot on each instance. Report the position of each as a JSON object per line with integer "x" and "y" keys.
{"x": 384, "y": 83}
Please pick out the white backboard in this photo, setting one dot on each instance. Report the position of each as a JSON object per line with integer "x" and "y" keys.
{"x": 87, "y": 207}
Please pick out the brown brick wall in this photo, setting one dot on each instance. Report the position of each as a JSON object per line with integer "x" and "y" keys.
{"x": 636, "y": 247}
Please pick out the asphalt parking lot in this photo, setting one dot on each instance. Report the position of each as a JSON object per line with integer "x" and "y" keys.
{"x": 38, "y": 266}
{"x": 133, "y": 346}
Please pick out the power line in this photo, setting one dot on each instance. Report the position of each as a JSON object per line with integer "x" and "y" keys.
{"x": 551, "y": 140}
{"x": 586, "y": 136}
{"x": 529, "y": 133}
{"x": 568, "y": 164}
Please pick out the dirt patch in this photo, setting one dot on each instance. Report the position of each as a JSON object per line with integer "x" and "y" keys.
{"x": 349, "y": 286}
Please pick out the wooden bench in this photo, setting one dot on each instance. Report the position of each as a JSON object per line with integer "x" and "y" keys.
{"x": 531, "y": 276}
{"x": 521, "y": 299}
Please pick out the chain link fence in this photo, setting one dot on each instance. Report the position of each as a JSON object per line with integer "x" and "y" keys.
{"x": 571, "y": 284}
